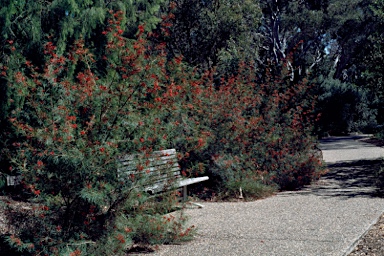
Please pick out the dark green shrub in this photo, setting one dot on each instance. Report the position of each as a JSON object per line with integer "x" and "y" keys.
{"x": 72, "y": 123}
{"x": 344, "y": 108}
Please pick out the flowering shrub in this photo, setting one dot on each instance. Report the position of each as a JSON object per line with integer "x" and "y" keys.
{"x": 258, "y": 133}
{"x": 73, "y": 120}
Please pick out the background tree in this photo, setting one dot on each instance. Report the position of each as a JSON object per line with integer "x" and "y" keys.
{"x": 335, "y": 39}
{"x": 214, "y": 33}
{"x": 288, "y": 24}
{"x": 351, "y": 29}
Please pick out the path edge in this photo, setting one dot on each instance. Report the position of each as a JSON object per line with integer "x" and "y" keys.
{"x": 352, "y": 247}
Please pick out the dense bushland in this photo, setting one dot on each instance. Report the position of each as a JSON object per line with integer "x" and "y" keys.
{"x": 73, "y": 118}
{"x": 344, "y": 108}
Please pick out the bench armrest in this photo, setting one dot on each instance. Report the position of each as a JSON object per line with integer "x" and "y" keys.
{"x": 189, "y": 181}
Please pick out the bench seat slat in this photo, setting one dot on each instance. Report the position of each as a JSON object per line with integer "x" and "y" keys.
{"x": 149, "y": 167}
{"x": 161, "y": 170}
{"x": 164, "y": 154}
{"x": 171, "y": 173}
{"x": 152, "y": 161}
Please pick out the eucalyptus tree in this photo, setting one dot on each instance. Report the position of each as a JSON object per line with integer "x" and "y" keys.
{"x": 326, "y": 41}
{"x": 294, "y": 29}
{"x": 214, "y": 33}
{"x": 372, "y": 62}
{"x": 350, "y": 25}
{"x": 345, "y": 100}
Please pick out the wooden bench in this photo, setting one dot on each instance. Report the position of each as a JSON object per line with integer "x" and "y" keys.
{"x": 157, "y": 172}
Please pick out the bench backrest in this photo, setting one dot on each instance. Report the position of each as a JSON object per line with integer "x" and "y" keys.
{"x": 157, "y": 172}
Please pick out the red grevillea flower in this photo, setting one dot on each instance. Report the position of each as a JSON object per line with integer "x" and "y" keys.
{"x": 40, "y": 163}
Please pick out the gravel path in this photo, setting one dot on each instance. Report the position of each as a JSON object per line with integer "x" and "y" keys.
{"x": 327, "y": 218}
{"x": 351, "y": 148}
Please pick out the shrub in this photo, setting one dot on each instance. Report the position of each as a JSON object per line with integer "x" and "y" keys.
{"x": 257, "y": 132}
{"x": 72, "y": 122}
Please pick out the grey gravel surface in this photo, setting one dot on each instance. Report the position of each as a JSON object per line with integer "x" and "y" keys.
{"x": 349, "y": 148}
{"x": 326, "y": 218}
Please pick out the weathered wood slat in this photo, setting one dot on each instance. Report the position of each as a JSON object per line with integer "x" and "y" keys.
{"x": 164, "y": 154}
{"x": 151, "y": 177}
{"x": 149, "y": 163}
{"x": 158, "y": 171}
{"x": 135, "y": 166}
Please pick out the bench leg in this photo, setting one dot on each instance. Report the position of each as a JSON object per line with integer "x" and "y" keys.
{"x": 185, "y": 198}
{"x": 185, "y": 194}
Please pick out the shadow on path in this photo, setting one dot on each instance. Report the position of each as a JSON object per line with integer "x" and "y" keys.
{"x": 341, "y": 143}
{"x": 347, "y": 180}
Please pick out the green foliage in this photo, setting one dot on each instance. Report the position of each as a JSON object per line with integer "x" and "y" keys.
{"x": 31, "y": 22}
{"x": 350, "y": 25}
{"x": 252, "y": 132}
{"x": 260, "y": 132}
{"x": 29, "y": 25}
{"x": 214, "y": 33}
{"x": 377, "y": 7}
{"x": 371, "y": 75}
{"x": 104, "y": 89}
{"x": 250, "y": 189}
{"x": 344, "y": 108}
{"x": 72, "y": 124}
{"x": 289, "y": 24}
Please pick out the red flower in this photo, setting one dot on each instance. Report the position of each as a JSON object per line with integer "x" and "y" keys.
{"x": 172, "y": 5}
{"x": 71, "y": 118}
{"x": 200, "y": 143}
{"x": 76, "y": 253}
{"x": 39, "y": 163}
{"x": 141, "y": 28}
{"x": 121, "y": 239}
